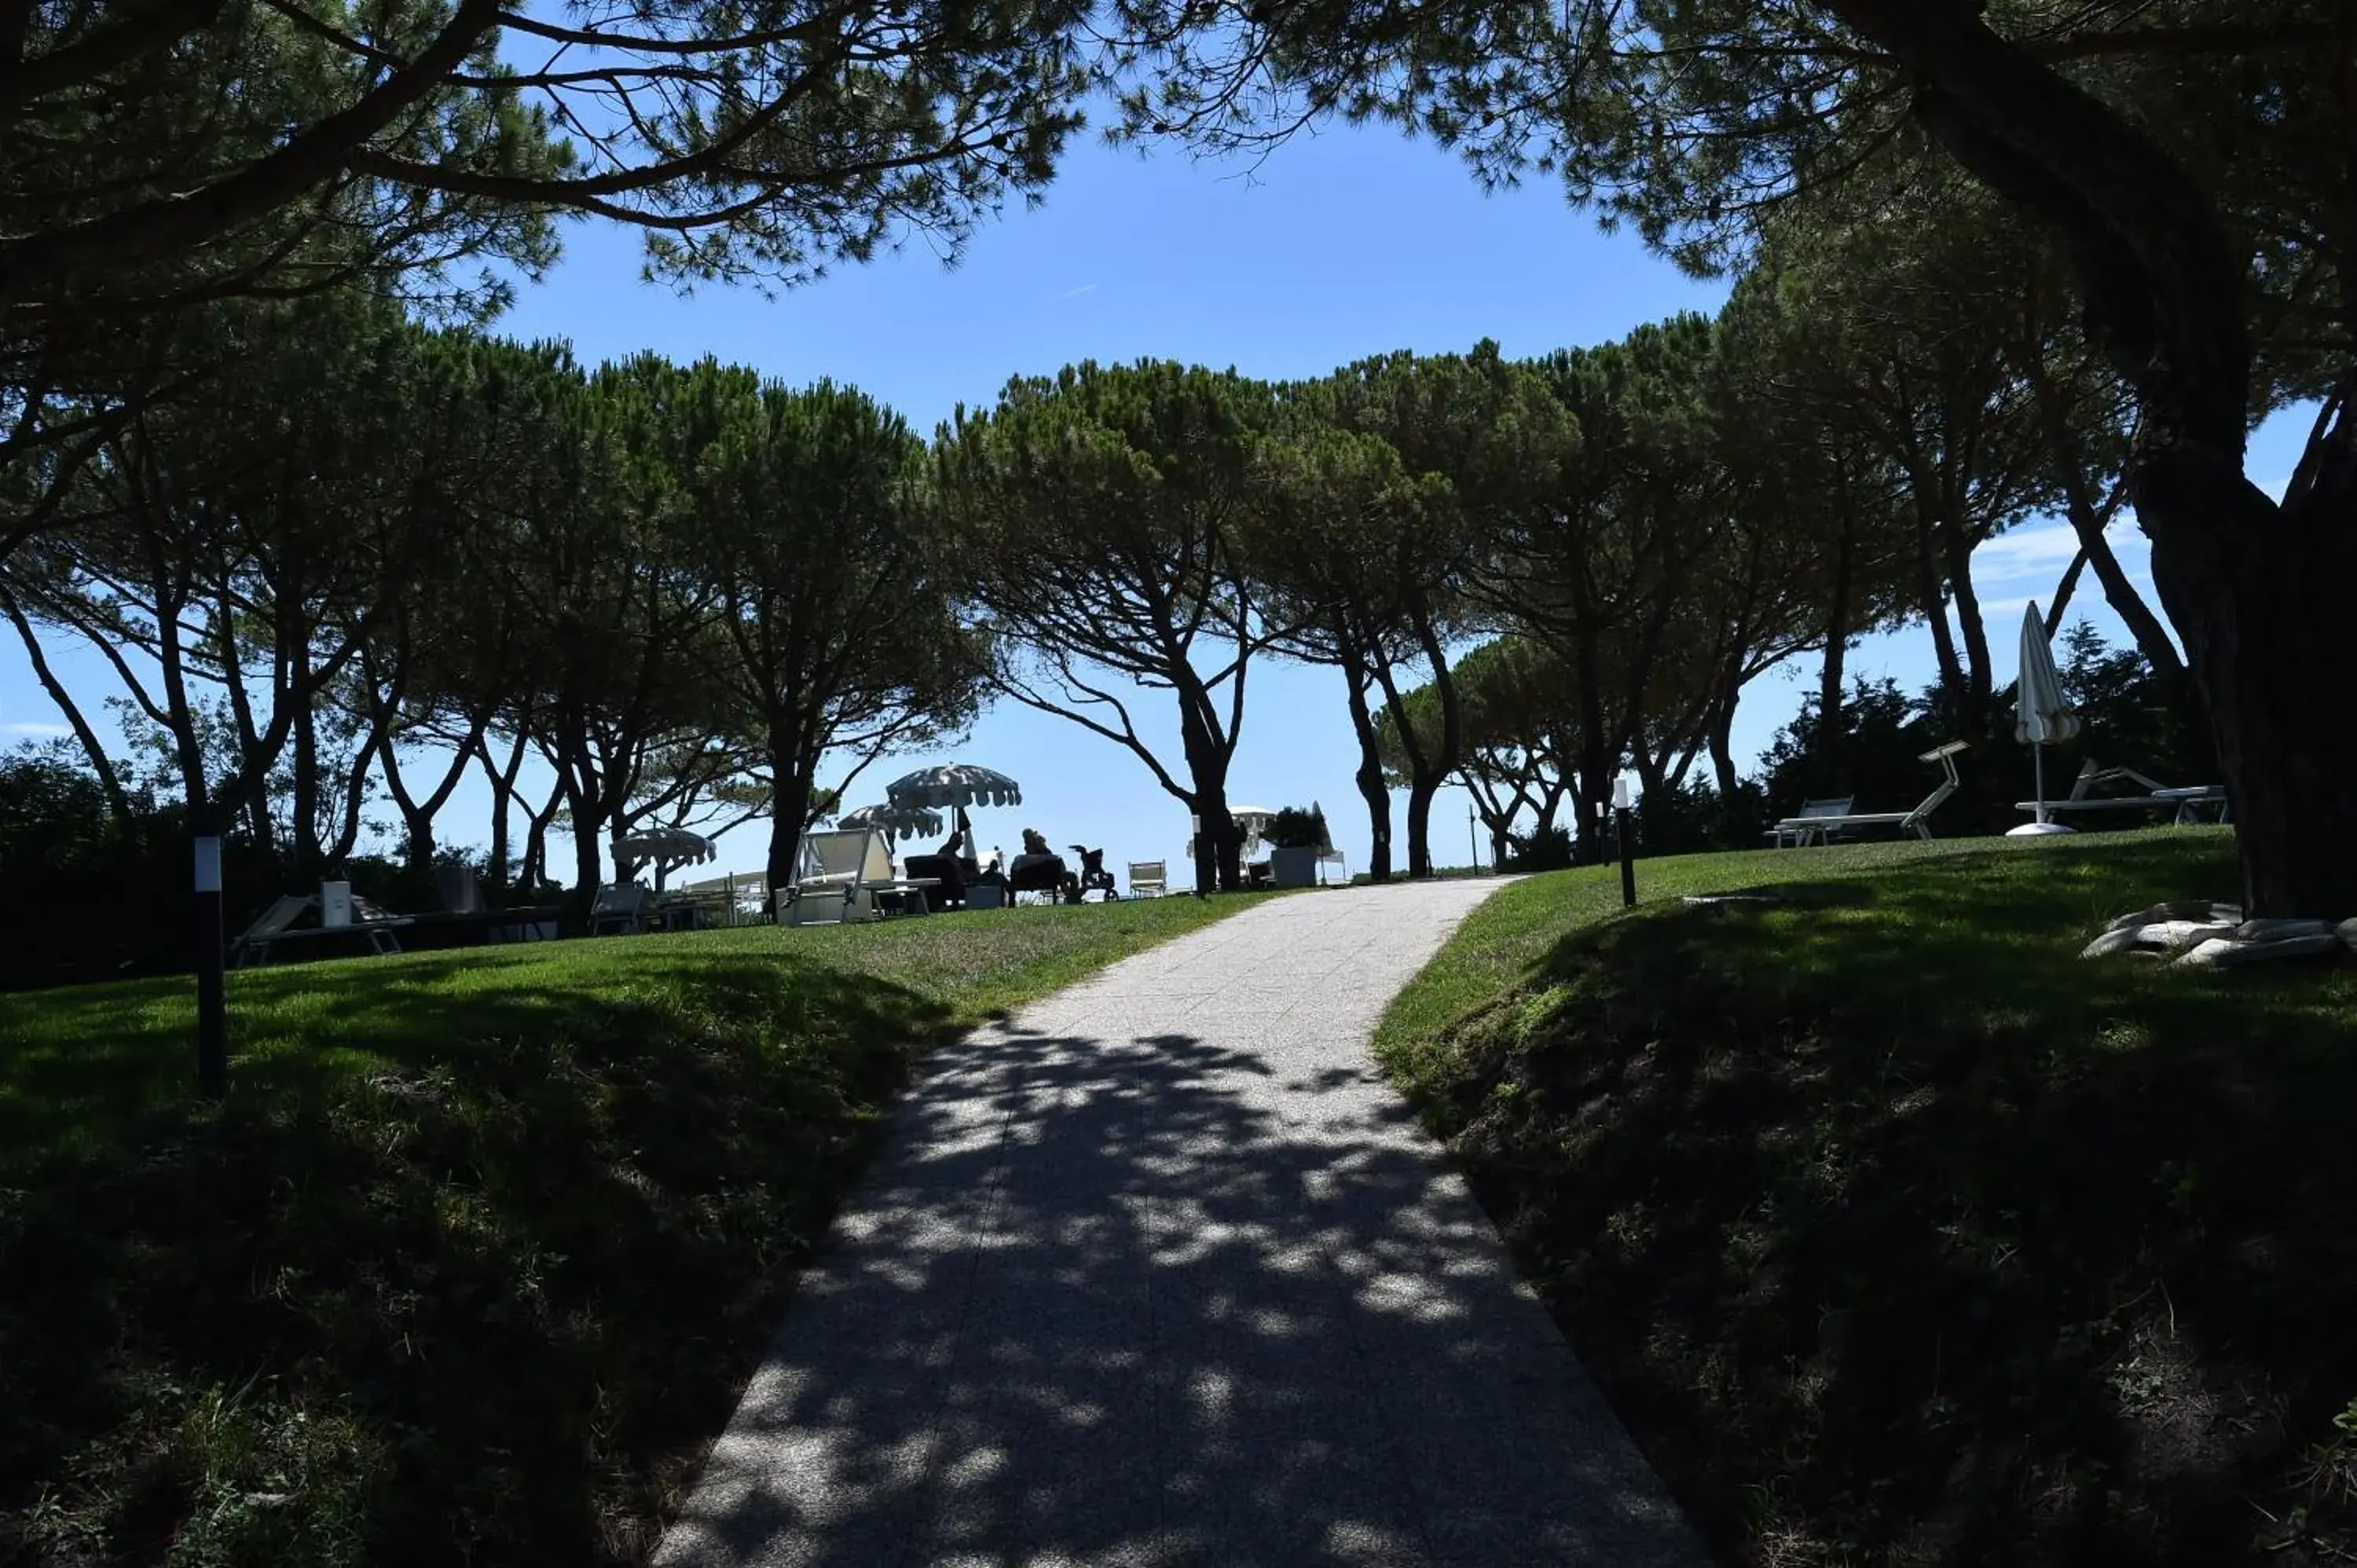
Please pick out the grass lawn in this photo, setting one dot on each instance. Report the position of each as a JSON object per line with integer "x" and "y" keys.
{"x": 1898, "y": 1234}
{"x": 474, "y": 1261}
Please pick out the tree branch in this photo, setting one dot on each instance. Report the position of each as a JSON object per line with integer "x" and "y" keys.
{"x": 39, "y": 261}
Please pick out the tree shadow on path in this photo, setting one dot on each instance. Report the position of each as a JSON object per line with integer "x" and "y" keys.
{"x": 1146, "y": 1300}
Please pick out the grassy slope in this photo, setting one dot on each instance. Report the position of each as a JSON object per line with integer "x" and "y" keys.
{"x": 473, "y": 1262}
{"x": 1896, "y": 1233}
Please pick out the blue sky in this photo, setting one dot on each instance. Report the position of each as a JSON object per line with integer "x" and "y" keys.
{"x": 1341, "y": 245}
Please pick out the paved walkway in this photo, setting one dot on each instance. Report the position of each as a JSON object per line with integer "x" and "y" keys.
{"x": 1160, "y": 1272}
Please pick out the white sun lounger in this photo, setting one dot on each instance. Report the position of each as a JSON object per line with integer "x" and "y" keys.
{"x": 1807, "y": 829}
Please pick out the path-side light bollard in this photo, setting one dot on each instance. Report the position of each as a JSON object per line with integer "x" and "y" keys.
{"x": 212, "y": 1010}
{"x": 1620, "y": 822}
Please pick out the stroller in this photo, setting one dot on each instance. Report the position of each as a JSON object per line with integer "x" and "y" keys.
{"x": 1093, "y": 871}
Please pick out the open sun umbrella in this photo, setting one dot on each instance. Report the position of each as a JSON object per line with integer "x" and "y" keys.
{"x": 895, "y": 820}
{"x": 955, "y": 784}
{"x": 667, "y": 847}
{"x": 2042, "y": 716}
{"x": 1251, "y": 822}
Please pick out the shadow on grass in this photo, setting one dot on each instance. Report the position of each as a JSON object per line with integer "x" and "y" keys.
{"x": 475, "y": 1286}
{"x": 1897, "y": 1232}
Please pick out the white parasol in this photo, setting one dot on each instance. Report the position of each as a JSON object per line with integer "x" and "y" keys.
{"x": 894, "y": 820}
{"x": 666, "y": 847}
{"x": 1251, "y": 822}
{"x": 2041, "y": 715}
{"x": 954, "y": 784}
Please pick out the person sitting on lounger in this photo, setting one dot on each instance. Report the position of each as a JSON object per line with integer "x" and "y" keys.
{"x": 958, "y": 847}
{"x": 1039, "y": 870}
{"x": 952, "y": 868}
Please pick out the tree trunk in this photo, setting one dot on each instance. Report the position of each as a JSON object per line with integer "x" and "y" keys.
{"x": 1980, "y": 680}
{"x": 1837, "y": 630}
{"x": 179, "y": 716}
{"x": 1219, "y": 847}
{"x": 2062, "y": 591}
{"x": 2264, "y": 624}
{"x": 589, "y": 864}
{"x": 1429, "y": 772}
{"x": 1928, "y": 584}
{"x": 417, "y": 824}
{"x": 2088, "y": 517}
{"x": 1592, "y": 787}
{"x": 534, "y": 871}
{"x": 1830, "y": 692}
{"x": 101, "y": 767}
{"x": 2151, "y": 638}
{"x": 1592, "y": 792}
{"x": 1424, "y": 773}
{"x": 791, "y": 777}
{"x": 1550, "y": 800}
{"x": 2253, "y": 587}
{"x": 249, "y": 784}
{"x": 353, "y": 802}
{"x": 1370, "y": 779}
{"x": 1496, "y": 814}
{"x": 305, "y": 806}
{"x": 417, "y": 816}
{"x": 1420, "y": 792}
{"x": 1722, "y": 751}
{"x": 503, "y": 796}
{"x": 1652, "y": 769}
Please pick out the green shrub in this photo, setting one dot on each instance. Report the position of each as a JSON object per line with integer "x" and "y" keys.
{"x": 1544, "y": 848}
{"x": 1295, "y": 827}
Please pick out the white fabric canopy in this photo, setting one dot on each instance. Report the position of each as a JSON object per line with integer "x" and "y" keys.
{"x": 2042, "y": 716}
{"x": 663, "y": 847}
{"x": 745, "y": 884}
{"x": 1251, "y": 822}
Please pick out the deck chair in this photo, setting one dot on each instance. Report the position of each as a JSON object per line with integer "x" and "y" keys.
{"x": 1917, "y": 821}
{"x": 2186, "y": 804}
{"x": 621, "y": 907}
{"x": 843, "y": 869}
{"x": 1048, "y": 876}
{"x": 1149, "y": 877}
{"x": 253, "y": 946}
{"x": 1832, "y": 807}
{"x": 946, "y": 869}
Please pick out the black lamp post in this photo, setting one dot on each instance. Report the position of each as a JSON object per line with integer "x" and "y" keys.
{"x": 1621, "y": 826}
{"x": 213, "y": 1011}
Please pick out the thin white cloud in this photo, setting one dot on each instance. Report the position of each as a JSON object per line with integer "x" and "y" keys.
{"x": 1073, "y": 294}
{"x": 38, "y": 731}
{"x": 2043, "y": 548}
{"x": 2030, "y": 550}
